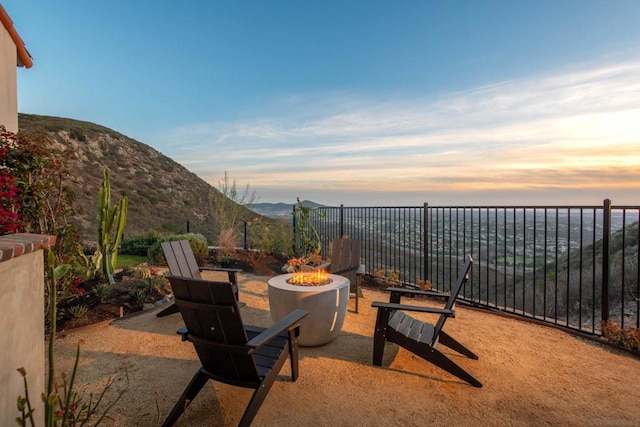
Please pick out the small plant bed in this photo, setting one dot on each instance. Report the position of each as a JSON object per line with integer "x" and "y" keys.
{"x": 248, "y": 261}
{"x": 381, "y": 280}
{"x": 95, "y": 301}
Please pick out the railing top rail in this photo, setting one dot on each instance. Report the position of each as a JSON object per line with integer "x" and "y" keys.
{"x": 370, "y": 207}
{"x": 625, "y": 207}
{"x": 519, "y": 207}
{"x": 485, "y": 207}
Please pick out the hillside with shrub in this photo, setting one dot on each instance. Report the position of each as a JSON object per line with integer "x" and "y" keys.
{"x": 163, "y": 195}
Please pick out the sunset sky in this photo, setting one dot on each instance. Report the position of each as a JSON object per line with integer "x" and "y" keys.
{"x": 357, "y": 102}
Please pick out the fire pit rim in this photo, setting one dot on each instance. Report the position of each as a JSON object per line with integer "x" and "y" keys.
{"x": 281, "y": 281}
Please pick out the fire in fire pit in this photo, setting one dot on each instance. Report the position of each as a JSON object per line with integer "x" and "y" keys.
{"x": 310, "y": 278}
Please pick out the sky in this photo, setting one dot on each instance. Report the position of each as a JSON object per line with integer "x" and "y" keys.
{"x": 361, "y": 103}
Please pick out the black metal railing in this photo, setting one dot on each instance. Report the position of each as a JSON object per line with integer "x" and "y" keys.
{"x": 568, "y": 265}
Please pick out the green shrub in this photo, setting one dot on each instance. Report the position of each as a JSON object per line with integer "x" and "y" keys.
{"x": 272, "y": 237}
{"x": 77, "y": 134}
{"x": 139, "y": 294}
{"x": 197, "y": 241}
{"x": 102, "y": 291}
{"x": 140, "y": 245}
{"x": 78, "y": 311}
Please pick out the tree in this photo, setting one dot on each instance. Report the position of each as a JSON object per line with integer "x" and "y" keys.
{"x": 226, "y": 206}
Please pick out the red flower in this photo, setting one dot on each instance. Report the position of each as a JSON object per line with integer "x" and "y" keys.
{"x": 74, "y": 287}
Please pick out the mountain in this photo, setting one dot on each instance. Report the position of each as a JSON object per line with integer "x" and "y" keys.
{"x": 279, "y": 210}
{"x": 163, "y": 195}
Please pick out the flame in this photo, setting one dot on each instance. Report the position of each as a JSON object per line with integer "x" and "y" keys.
{"x": 310, "y": 278}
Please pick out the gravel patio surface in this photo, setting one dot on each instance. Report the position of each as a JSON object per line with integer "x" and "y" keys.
{"x": 532, "y": 375}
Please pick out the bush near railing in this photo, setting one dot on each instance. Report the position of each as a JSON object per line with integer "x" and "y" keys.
{"x": 628, "y": 338}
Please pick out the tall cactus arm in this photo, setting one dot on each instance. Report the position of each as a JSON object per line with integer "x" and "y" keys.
{"x": 120, "y": 223}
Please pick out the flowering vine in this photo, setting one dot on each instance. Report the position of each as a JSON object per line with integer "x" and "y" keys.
{"x": 10, "y": 197}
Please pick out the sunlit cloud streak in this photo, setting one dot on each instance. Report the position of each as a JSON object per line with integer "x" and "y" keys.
{"x": 570, "y": 131}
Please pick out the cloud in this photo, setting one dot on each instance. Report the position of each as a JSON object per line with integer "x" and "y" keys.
{"x": 571, "y": 130}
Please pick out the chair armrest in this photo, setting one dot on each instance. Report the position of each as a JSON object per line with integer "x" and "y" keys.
{"x": 228, "y": 270}
{"x": 404, "y": 307}
{"x": 414, "y": 292}
{"x": 324, "y": 266}
{"x": 347, "y": 270}
{"x": 287, "y": 323}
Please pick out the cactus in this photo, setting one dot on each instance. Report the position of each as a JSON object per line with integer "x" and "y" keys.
{"x": 111, "y": 222}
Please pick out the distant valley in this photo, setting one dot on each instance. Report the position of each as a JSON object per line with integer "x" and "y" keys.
{"x": 279, "y": 210}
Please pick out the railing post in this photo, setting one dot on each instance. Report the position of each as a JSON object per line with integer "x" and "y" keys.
{"x": 341, "y": 220}
{"x": 187, "y": 226}
{"x": 425, "y": 243}
{"x": 295, "y": 234}
{"x": 606, "y": 234}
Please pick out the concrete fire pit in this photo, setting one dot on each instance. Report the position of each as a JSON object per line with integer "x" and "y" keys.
{"x": 326, "y": 304}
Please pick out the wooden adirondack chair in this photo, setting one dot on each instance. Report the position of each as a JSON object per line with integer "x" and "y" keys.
{"x": 345, "y": 261}
{"x": 230, "y": 352}
{"x": 182, "y": 262}
{"x": 393, "y": 325}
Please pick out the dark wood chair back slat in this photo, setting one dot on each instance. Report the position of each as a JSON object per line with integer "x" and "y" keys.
{"x": 180, "y": 259}
{"x": 182, "y": 263}
{"x": 463, "y": 276}
{"x": 345, "y": 259}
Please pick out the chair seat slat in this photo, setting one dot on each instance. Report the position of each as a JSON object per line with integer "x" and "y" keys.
{"x": 415, "y": 333}
{"x": 405, "y": 325}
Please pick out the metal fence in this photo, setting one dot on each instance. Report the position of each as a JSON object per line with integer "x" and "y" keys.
{"x": 572, "y": 266}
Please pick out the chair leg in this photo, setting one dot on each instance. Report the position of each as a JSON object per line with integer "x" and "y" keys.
{"x": 263, "y": 389}
{"x": 356, "y": 303}
{"x": 293, "y": 352}
{"x": 380, "y": 336}
{"x": 358, "y": 291}
{"x": 173, "y": 308}
{"x": 197, "y": 382}
{"x": 448, "y": 341}
{"x": 439, "y": 359}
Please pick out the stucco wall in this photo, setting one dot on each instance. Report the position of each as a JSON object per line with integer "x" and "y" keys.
{"x": 8, "y": 84}
{"x": 22, "y": 341}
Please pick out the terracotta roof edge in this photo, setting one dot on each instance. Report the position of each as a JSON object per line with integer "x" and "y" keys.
{"x": 23, "y": 53}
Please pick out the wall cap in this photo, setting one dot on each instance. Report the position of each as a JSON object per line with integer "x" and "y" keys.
{"x": 15, "y": 245}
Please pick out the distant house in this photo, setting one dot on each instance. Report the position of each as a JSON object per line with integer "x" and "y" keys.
{"x": 13, "y": 53}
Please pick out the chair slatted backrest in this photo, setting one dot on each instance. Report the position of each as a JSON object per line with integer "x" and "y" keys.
{"x": 212, "y": 317}
{"x": 463, "y": 276}
{"x": 180, "y": 259}
{"x": 345, "y": 259}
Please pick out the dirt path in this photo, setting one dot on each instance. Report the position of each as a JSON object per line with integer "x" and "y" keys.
{"x": 532, "y": 375}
